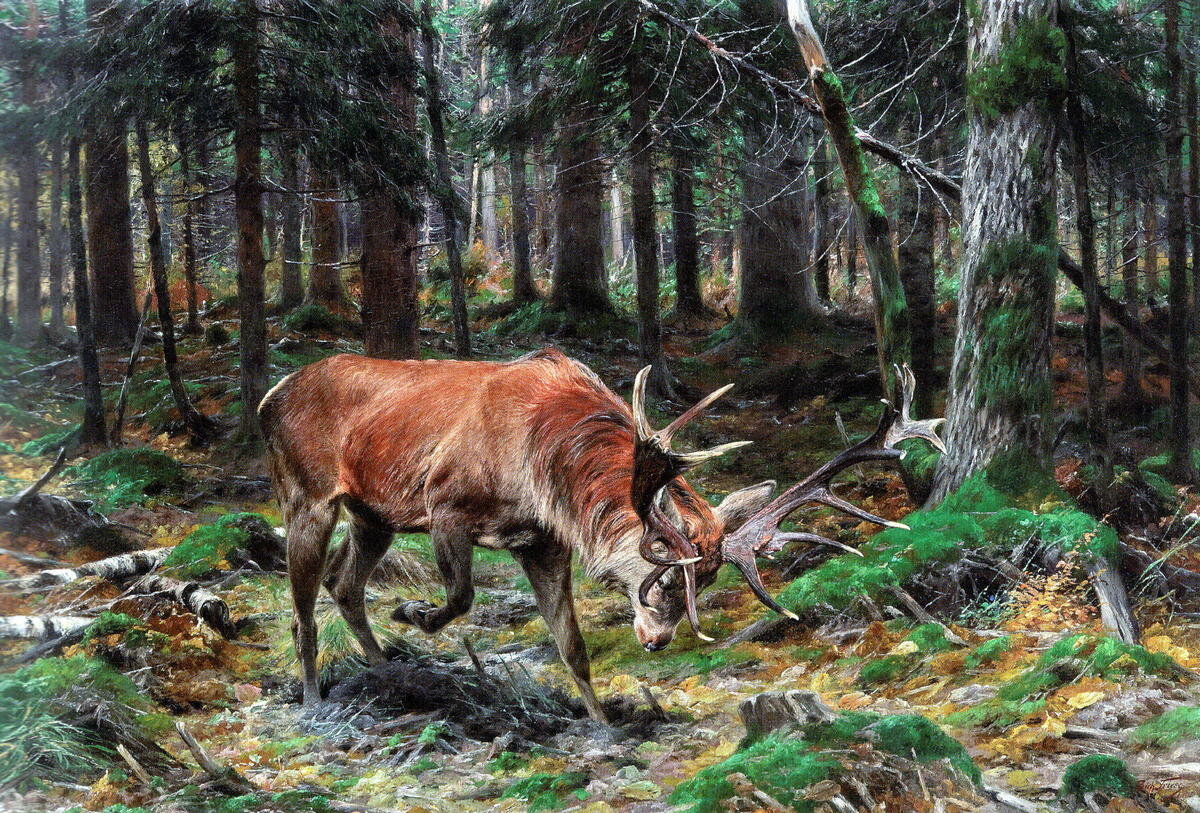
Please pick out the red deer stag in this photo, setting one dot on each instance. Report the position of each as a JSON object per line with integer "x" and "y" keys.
{"x": 535, "y": 456}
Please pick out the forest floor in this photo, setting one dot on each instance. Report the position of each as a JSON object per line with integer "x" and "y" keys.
{"x": 428, "y": 731}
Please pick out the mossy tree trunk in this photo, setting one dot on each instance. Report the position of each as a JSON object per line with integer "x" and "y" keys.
{"x": 578, "y": 284}
{"x": 891, "y": 309}
{"x": 444, "y": 191}
{"x": 248, "y": 210}
{"x": 291, "y": 286}
{"x": 915, "y": 253}
{"x": 1182, "y": 469}
{"x": 1000, "y": 377}
{"x": 645, "y": 237}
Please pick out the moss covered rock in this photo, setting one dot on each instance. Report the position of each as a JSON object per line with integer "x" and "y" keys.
{"x": 1097, "y": 772}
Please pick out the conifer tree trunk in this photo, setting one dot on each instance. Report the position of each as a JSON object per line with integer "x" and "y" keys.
{"x": 192, "y": 325}
{"x": 196, "y": 423}
{"x": 524, "y": 290}
{"x": 6, "y": 328}
{"x": 578, "y": 284}
{"x": 1000, "y": 378}
{"x": 444, "y": 191}
{"x": 247, "y": 192}
{"x": 822, "y": 231}
{"x": 916, "y": 274}
{"x": 325, "y": 273}
{"x": 390, "y": 312}
{"x": 291, "y": 288}
{"x": 688, "y": 300}
{"x": 92, "y": 428}
{"x": 616, "y": 219}
{"x": 645, "y": 239}
{"x": 106, "y": 197}
{"x": 1093, "y": 349}
{"x": 1181, "y": 464}
{"x": 1150, "y": 237}
{"x": 1131, "y": 350}
{"x": 56, "y": 239}
{"x": 1193, "y": 127}
{"x": 851, "y": 253}
{"x": 28, "y": 160}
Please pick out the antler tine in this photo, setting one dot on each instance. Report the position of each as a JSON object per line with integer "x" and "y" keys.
{"x": 903, "y": 426}
{"x": 743, "y": 560}
{"x": 683, "y": 420}
{"x": 690, "y": 460}
{"x": 644, "y": 430}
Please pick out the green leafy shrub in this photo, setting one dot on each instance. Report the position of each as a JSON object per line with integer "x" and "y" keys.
{"x": 546, "y": 791}
{"x": 208, "y": 547}
{"x": 123, "y": 477}
{"x": 884, "y": 670}
{"x": 319, "y": 319}
{"x": 50, "y": 442}
{"x": 1097, "y": 772}
{"x": 930, "y": 638}
{"x": 23, "y": 419}
{"x": 1168, "y": 728}
{"x": 216, "y": 334}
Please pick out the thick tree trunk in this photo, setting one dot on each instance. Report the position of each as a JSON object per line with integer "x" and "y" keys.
{"x": 444, "y": 191}
{"x": 916, "y": 273}
{"x": 1181, "y": 464}
{"x": 1193, "y": 127}
{"x": 771, "y": 300}
{"x": 578, "y": 284}
{"x": 688, "y": 300}
{"x": 247, "y": 196}
{"x": 291, "y": 287}
{"x": 1093, "y": 350}
{"x": 192, "y": 325}
{"x": 28, "y": 162}
{"x": 197, "y": 425}
{"x": 645, "y": 239}
{"x": 92, "y": 429}
{"x": 56, "y": 239}
{"x": 1150, "y": 237}
{"x": 1000, "y": 378}
{"x": 891, "y": 310}
{"x": 524, "y": 290}
{"x": 325, "y": 273}
{"x": 822, "y": 228}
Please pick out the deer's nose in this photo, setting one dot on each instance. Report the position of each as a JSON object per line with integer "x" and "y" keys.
{"x": 654, "y": 646}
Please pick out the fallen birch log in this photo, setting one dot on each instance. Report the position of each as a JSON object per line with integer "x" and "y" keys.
{"x": 41, "y": 626}
{"x": 204, "y": 604}
{"x": 122, "y": 566}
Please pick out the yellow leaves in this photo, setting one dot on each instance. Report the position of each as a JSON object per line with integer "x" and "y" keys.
{"x": 853, "y": 701}
{"x": 624, "y": 684}
{"x": 1021, "y": 780}
{"x": 1085, "y": 699}
{"x": 1164, "y": 645}
{"x": 905, "y": 648}
{"x": 642, "y": 790}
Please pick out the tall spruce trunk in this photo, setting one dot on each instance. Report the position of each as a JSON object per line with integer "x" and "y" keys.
{"x": 6, "y": 267}
{"x": 197, "y": 425}
{"x": 190, "y": 267}
{"x": 915, "y": 250}
{"x": 578, "y": 283}
{"x": 291, "y": 286}
{"x": 1193, "y": 128}
{"x": 1131, "y": 350}
{"x": 248, "y": 210}
{"x": 56, "y": 240}
{"x": 325, "y": 273}
{"x": 28, "y": 162}
{"x": 688, "y": 300}
{"x": 645, "y": 238}
{"x": 1182, "y": 468}
{"x": 444, "y": 191}
{"x": 1093, "y": 348}
{"x": 524, "y": 290}
{"x": 92, "y": 429}
{"x": 1000, "y": 378}
{"x": 106, "y": 197}
{"x": 390, "y": 311}
{"x": 1150, "y": 237}
{"x": 822, "y": 228}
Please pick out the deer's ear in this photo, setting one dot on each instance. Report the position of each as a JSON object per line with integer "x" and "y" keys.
{"x": 740, "y": 505}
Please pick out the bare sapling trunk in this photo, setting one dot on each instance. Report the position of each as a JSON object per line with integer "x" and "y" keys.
{"x": 92, "y": 429}
{"x": 891, "y": 309}
{"x": 190, "y": 270}
{"x": 1131, "y": 351}
{"x": 444, "y": 192}
{"x": 198, "y": 426}
{"x": 291, "y": 288}
{"x": 822, "y": 231}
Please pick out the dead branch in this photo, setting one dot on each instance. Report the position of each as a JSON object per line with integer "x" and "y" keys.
{"x": 203, "y": 603}
{"x": 28, "y": 493}
{"x": 41, "y": 626}
{"x": 114, "y": 568}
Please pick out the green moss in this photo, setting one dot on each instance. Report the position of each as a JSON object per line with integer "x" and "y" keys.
{"x": 916, "y": 737}
{"x": 318, "y": 319}
{"x": 930, "y": 638}
{"x": 988, "y": 651}
{"x": 1168, "y": 728}
{"x": 547, "y": 791}
{"x": 51, "y": 442}
{"x": 207, "y": 548}
{"x": 884, "y": 670}
{"x": 122, "y": 477}
{"x": 1097, "y": 772}
{"x": 1030, "y": 67}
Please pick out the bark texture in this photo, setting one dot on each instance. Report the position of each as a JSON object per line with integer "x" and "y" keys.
{"x": 291, "y": 287}
{"x": 325, "y": 273}
{"x": 579, "y": 284}
{"x": 688, "y": 301}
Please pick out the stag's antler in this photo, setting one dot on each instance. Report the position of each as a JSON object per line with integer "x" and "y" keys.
{"x": 654, "y": 466}
{"x": 760, "y": 535}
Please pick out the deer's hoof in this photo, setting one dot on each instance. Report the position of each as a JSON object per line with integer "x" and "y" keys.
{"x": 411, "y": 612}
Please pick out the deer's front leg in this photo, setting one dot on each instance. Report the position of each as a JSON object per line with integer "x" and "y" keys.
{"x": 548, "y": 567}
{"x": 453, "y": 550}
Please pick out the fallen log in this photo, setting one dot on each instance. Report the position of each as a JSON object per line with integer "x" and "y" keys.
{"x": 41, "y": 626}
{"x": 1115, "y": 612}
{"x": 203, "y": 603}
{"x": 114, "y": 568}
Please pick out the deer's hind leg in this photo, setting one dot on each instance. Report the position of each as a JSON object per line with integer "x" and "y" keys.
{"x": 346, "y": 580}
{"x": 309, "y": 525}
{"x": 453, "y": 548}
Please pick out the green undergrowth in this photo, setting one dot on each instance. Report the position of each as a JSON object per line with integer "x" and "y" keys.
{"x": 1063, "y": 663}
{"x": 121, "y": 477}
{"x": 208, "y": 547}
{"x": 1168, "y": 728}
{"x": 152, "y": 397}
{"x": 785, "y": 766}
{"x": 23, "y": 419}
{"x": 50, "y": 442}
{"x": 987, "y": 652}
{"x": 1097, "y": 772}
{"x": 133, "y": 631}
{"x": 319, "y": 319}
{"x": 64, "y": 717}
{"x": 539, "y": 318}
{"x": 616, "y": 649}
{"x": 992, "y": 511}
{"x": 548, "y": 791}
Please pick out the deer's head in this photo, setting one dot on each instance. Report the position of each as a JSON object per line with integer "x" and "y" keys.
{"x": 684, "y": 541}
